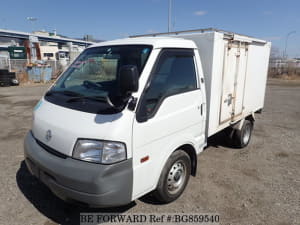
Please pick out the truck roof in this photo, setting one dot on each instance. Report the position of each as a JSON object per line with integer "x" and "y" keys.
{"x": 227, "y": 34}
{"x": 156, "y": 42}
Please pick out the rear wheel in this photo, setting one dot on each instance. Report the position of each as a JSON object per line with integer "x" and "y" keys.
{"x": 174, "y": 177}
{"x": 242, "y": 137}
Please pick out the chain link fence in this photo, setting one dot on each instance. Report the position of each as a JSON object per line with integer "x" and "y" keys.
{"x": 4, "y": 63}
{"x": 277, "y": 67}
{"x": 283, "y": 67}
{"x": 22, "y": 67}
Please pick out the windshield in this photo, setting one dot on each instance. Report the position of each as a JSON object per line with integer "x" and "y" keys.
{"x": 95, "y": 73}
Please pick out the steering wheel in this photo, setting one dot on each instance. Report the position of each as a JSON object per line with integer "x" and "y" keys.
{"x": 89, "y": 84}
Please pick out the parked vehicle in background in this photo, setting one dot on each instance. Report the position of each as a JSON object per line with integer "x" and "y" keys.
{"x": 8, "y": 78}
{"x": 128, "y": 117}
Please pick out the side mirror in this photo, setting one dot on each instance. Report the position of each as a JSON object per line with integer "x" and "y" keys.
{"x": 128, "y": 79}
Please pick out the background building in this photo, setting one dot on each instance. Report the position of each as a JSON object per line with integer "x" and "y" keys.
{"x": 20, "y": 51}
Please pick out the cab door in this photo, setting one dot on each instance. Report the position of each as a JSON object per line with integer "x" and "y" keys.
{"x": 170, "y": 113}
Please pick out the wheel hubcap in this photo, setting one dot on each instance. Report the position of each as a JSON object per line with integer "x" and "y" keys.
{"x": 176, "y": 177}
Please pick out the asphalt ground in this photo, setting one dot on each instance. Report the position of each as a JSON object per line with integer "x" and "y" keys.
{"x": 259, "y": 184}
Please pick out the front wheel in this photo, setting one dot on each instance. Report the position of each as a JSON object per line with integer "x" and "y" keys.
{"x": 174, "y": 177}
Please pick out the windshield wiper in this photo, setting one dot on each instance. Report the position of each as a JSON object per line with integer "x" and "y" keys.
{"x": 78, "y": 97}
{"x": 105, "y": 99}
{"x": 82, "y": 97}
{"x": 65, "y": 92}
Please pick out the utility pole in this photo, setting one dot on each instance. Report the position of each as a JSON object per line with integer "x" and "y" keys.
{"x": 32, "y": 20}
{"x": 286, "y": 42}
{"x": 170, "y": 16}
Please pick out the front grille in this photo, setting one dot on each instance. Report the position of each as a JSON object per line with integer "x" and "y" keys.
{"x": 51, "y": 150}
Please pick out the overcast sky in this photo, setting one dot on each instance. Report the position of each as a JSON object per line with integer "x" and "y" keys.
{"x": 111, "y": 19}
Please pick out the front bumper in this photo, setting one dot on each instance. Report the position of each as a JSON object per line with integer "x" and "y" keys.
{"x": 74, "y": 180}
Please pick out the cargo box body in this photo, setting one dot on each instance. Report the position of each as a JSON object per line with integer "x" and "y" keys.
{"x": 235, "y": 70}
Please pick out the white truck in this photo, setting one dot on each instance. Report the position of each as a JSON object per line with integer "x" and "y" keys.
{"x": 129, "y": 117}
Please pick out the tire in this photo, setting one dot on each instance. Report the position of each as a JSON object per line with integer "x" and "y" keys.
{"x": 4, "y": 83}
{"x": 174, "y": 177}
{"x": 229, "y": 136}
{"x": 242, "y": 137}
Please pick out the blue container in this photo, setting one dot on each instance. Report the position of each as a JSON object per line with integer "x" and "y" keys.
{"x": 38, "y": 74}
{"x": 31, "y": 71}
{"x": 47, "y": 74}
{"x": 34, "y": 74}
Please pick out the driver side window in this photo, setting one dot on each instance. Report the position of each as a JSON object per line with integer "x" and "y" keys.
{"x": 174, "y": 73}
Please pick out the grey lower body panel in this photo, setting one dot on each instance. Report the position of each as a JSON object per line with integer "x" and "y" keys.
{"x": 74, "y": 180}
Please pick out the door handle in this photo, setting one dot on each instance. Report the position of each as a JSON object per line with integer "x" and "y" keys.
{"x": 201, "y": 109}
{"x": 229, "y": 99}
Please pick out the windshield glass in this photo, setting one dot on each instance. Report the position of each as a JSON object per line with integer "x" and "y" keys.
{"x": 93, "y": 77}
{"x": 95, "y": 71}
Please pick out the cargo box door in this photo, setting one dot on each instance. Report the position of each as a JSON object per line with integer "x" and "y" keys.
{"x": 239, "y": 85}
{"x": 229, "y": 69}
{"x": 234, "y": 72}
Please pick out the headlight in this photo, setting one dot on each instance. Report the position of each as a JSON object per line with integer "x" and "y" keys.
{"x": 106, "y": 152}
